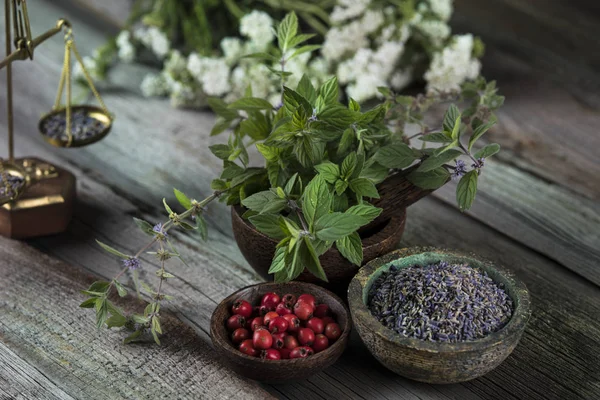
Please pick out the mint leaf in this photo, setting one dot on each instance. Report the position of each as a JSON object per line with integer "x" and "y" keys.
{"x": 251, "y": 104}
{"x": 348, "y": 165}
{"x": 340, "y": 186}
{"x": 487, "y": 151}
{"x": 111, "y": 250}
{"x": 258, "y": 201}
{"x": 479, "y": 131}
{"x": 275, "y": 206}
{"x": 434, "y": 162}
{"x": 351, "y": 248}
{"x": 287, "y": 30}
{"x": 182, "y": 199}
{"x": 398, "y": 155}
{"x": 222, "y": 151}
{"x": 466, "y": 190}
{"x": 364, "y": 188}
{"x": 437, "y": 137}
{"x": 316, "y": 199}
{"x": 146, "y": 227}
{"x": 278, "y": 263}
{"x": 337, "y": 225}
{"x": 367, "y": 211}
{"x": 429, "y": 180}
{"x": 329, "y": 171}
{"x": 116, "y": 321}
{"x": 310, "y": 259}
{"x": 330, "y": 91}
{"x": 268, "y": 224}
{"x": 219, "y": 107}
{"x": 304, "y": 49}
{"x": 450, "y": 118}
{"x": 306, "y": 89}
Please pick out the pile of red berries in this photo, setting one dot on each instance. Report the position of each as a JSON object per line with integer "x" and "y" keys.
{"x": 282, "y": 327}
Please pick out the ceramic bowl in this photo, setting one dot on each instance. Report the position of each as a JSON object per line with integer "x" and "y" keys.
{"x": 278, "y": 371}
{"x": 435, "y": 362}
{"x": 258, "y": 249}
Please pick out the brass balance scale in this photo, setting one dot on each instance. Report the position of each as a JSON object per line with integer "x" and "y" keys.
{"x": 36, "y": 197}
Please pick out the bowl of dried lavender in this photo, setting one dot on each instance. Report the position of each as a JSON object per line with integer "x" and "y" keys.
{"x": 438, "y": 316}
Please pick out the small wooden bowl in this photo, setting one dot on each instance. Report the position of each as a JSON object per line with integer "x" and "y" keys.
{"x": 258, "y": 249}
{"x": 278, "y": 371}
{"x": 435, "y": 362}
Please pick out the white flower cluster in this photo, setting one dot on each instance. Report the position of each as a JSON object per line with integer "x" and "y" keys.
{"x": 126, "y": 48}
{"x": 154, "y": 39}
{"x": 453, "y": 65}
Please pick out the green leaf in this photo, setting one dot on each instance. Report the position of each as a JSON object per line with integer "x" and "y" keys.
{"x": 397, "y": 155}
{"x": 367, "y": 211}
{"x": 183, "y": 199}
{"x": 220, "y": 126}
{"x": 258, "y": 201}
{"x": 275, "y": 206}
{"x": 310, "y": 259}
{"x": 120, "y": 289}
{"x": 218, "y": 184}
{"x": 278, "y": 263}
{"x": 289, "y": 186}
{"x": 256, "y": 126}
{"x": 329, "y": 171}
{"x": 334, "y": 226}
{"x": 222, "y": 151}
{"x": 351, "y": 248}
{"x": 330, "y": 91}
{"x": 348, "y": 165}
{"x": 479, "y": 131}
{"x": 111, "y": 250}
{"x": 434, "y": 162}
{"x": 247, "y": 174}
{"x": 301, "y": 38}
{"x": 262, "y": 56}
{"x": 353, "y": 105}
{"x": 156, "y": 325}
{"x": 316, "y": 199}
{"x": 231, "y": 170}
{"x": 450, "y": 118}
{"x": 269, "y": 153}
{"x": 337, "y": 116}
{"x": 456, "y": 130}
{"x": 306, "y": 89}
{"x": 268, "y": 224}
{"x": 146, "y": 227}
{"x": 202, "y": 227}
{"x": 487, "y": 151}
{"x": 340, "y": 186}
{"x": 251, "y": 104}
{"x": 116, "y": 321}
{"x": 443, "y": 149}
{"x": 89, "y": 303}
{"x": 364, "y": 188}
{"x": 437, "y": 137}
{"x": 429, "y": 180}
{"x": 167, "y": 207}
{"x": 466, "y": 190}
{"x": 101, "y": 311}
{"x": 133, "y": 337}
{"x": 287, "y": 30}
{"x": 304, "y": 49}
{"x": 219, "y": 107}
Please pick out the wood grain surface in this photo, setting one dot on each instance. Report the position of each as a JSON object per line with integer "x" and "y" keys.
{"x": 531, "y": 215}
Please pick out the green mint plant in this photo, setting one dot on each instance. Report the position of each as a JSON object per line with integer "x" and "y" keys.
{"x": 323, "y": 160}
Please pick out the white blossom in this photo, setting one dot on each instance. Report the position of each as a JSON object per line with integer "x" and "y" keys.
{"x": 371, "y": 21}
{"x": 437, "y": 31}
{"x": 401, "y": 79}
{"x": 348, "y": 9}
{"x": 211, "y": 72}
{"x": 453, "y": 65}
{"x": 90, "y": 65}
{"x": 443, "y": 8}
{"x": 154, "y": 85}
{"x": 258, "y": 26}
{"x": 343, "y": 40}
{"x": 126, "y": 51}
{"x": 159, "y": 42}
{"x": 232, "y": 49}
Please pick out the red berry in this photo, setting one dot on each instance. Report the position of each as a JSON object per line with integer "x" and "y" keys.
{"x": 308, "y": 298}
{"x": 289, "y": 299}
{"x": 306, "y": 337}
{"x": 278, "y": 325}
{"x": 278, "y": 340}
{"x": 270, "y": 354}
{"x": 283, "y": 309}
{"x": 262, "y": 339}
{"x": 239, "y": 335}
{"x": 255, "y": 323}
{"x": 247, "y": 347}
{"x": 270, "y": 316}
{"x": 303, "y": 310}
{"x": 285, "y": 353}
{"x": 333, "y": 331}
{"x": 243, "y": 308}
{"x": 301, "y": 352}
{"x": 321, "y": 343}
{"x": 290, "y": 342}
{"x": 293, "y": 323}
{"x": 321, "y": 311}
{"x": 263, "y": 310}
{"x": 327, "y": 320}
{"x": 270, "y": 300}
{"x": 235, "y": 321}
{"x": 316, "y": 324}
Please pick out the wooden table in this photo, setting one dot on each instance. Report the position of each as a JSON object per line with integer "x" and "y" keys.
{"x": 537, "y": 213}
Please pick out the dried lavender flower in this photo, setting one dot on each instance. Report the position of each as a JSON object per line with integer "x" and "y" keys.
{"x": 132, "y": 263}
{"x": 459, "y": 170}
{"x": 439, "y": 302}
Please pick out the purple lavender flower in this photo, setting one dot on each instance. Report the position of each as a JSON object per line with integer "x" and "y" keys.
{"x": 460, "y": 170}
{"x": 313, "y": 117}
{"x": 132, "y": 263}
{"x": 158, "y": 229}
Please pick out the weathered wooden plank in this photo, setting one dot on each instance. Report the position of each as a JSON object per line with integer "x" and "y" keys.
{"x": 18, "y": 380}
{"x": 43, "y": 325}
